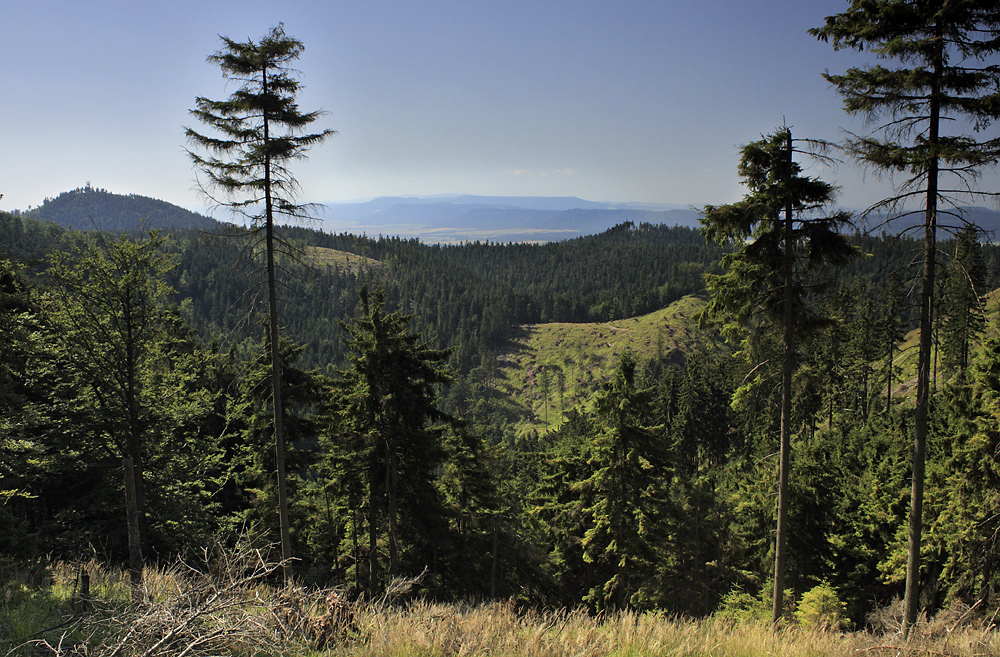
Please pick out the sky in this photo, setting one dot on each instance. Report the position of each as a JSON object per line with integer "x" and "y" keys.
{"x": 608, "y": 100}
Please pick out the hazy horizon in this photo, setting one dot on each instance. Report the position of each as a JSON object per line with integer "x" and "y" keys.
{"x": 643, "y": 101}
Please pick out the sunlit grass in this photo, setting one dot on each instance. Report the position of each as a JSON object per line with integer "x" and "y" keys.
{"x": 341, "y": 260}
{"x": 39, "y": 604}
{"x": 499, "y": 629}
{"x": 557, "y": 366}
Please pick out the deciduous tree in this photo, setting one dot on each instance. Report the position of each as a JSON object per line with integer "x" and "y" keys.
{"x": 111, "y": 305}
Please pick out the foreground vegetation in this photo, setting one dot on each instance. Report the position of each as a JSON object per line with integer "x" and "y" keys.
{"x": 228, "y": 607}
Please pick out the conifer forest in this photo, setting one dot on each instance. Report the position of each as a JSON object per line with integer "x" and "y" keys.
{"x": 822, "y": 417}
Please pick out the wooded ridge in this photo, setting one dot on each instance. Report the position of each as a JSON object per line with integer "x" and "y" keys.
{"x": 543, "y": 343}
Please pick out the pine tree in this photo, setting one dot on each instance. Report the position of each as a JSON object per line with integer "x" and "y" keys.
{"x": 776, "y": 235}
{"x": 946, "y": 72}
{"x": 259, "y": 129}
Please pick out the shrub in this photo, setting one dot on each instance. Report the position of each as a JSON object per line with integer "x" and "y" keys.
{"x": 741, "y": 607}
{"x": 821, "y": 607}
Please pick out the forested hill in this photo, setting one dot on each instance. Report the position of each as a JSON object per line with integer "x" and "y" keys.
{"x": 88, "y": 208}
{"x": 515, "y": 486}
{"x": 470, "y": 298}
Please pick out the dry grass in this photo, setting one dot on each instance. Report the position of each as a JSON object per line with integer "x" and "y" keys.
{"x": 500, "y": 630}
{"x": 226, "y": 608}
{"x": 231, "y": 610}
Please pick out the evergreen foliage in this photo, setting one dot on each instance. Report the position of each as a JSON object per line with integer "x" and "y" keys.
{"x": 487, "y": 511}
{"x": 777, "y": 239}
{"x": 961, "y": 307}
{"x": 390, "y": 443}
{"x": 257, "y": 132}
{"x": 945, "y": 75}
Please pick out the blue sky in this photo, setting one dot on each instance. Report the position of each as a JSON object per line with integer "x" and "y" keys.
{"x": 615, "y": 100}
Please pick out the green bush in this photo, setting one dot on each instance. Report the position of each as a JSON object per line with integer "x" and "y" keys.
{"x": 742, "y": 607}
{"x": 821, "y": 607}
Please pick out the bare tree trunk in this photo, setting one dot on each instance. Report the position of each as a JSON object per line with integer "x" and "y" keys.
{"x": 911, "y": 600}
{"x": 279, "y": 432}
{"x": 134, "y": 538}
{"x": 787, "y": 364}
{"x": 278, "y": 408}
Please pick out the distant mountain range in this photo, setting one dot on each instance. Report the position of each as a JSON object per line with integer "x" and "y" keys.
{"x": 949, "y": 220}
{"x": 545, "y": 219}
{"x": 495, "y": 218}
{"x": 432, "y": 219}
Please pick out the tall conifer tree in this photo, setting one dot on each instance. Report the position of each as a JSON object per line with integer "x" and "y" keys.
{"x": 628, "y": 464}
{"x": 391, "y": 437}
{"x": 776, "y": 235}
{"x": 259, "y": 130}
{"x": 945, "y": 53}
{"x": 961, "y": 311}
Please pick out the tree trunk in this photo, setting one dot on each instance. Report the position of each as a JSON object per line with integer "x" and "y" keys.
{"x": 911, "y": 600}
{"x": 134, "y": 439}
{"x": 134, "y": 539}
{"x": 392, "y": 484}
{"x": 888, "y": 379}
{"x": 493, "y": 563}
{"x": 373, "y": 580}
{"x": 787, "y": 364}
{"x": 279, "y": 432}
{"x": 272, "y": 306}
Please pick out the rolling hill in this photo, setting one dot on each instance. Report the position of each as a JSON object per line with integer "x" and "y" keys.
{"x": 88, "y": 208}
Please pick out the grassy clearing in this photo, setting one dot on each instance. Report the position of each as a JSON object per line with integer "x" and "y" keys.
{"x": 908, "y": 351}
{"x": 425, "y": 629}
{"x": 557, "y": 366}
{"x": 351, "y": 263}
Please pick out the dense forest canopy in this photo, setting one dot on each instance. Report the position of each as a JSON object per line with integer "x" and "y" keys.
{"x": 503, "y": 507}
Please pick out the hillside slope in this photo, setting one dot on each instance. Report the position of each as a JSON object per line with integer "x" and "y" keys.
{"x": 554, "y": 367}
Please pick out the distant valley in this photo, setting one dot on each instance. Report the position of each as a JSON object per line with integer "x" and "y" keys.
{"x": 450, "y": 219}
{"x": 453, "y": 219}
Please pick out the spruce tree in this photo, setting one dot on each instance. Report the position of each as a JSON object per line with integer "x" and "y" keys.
{"x": 961, "y": 309}
{"x": 390, "y": 443}
{"x": 628, "y": 471}
{"x": 777, "y": 236}
{"x": 945, "y": 76}
{"x": 258, "y": 131}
